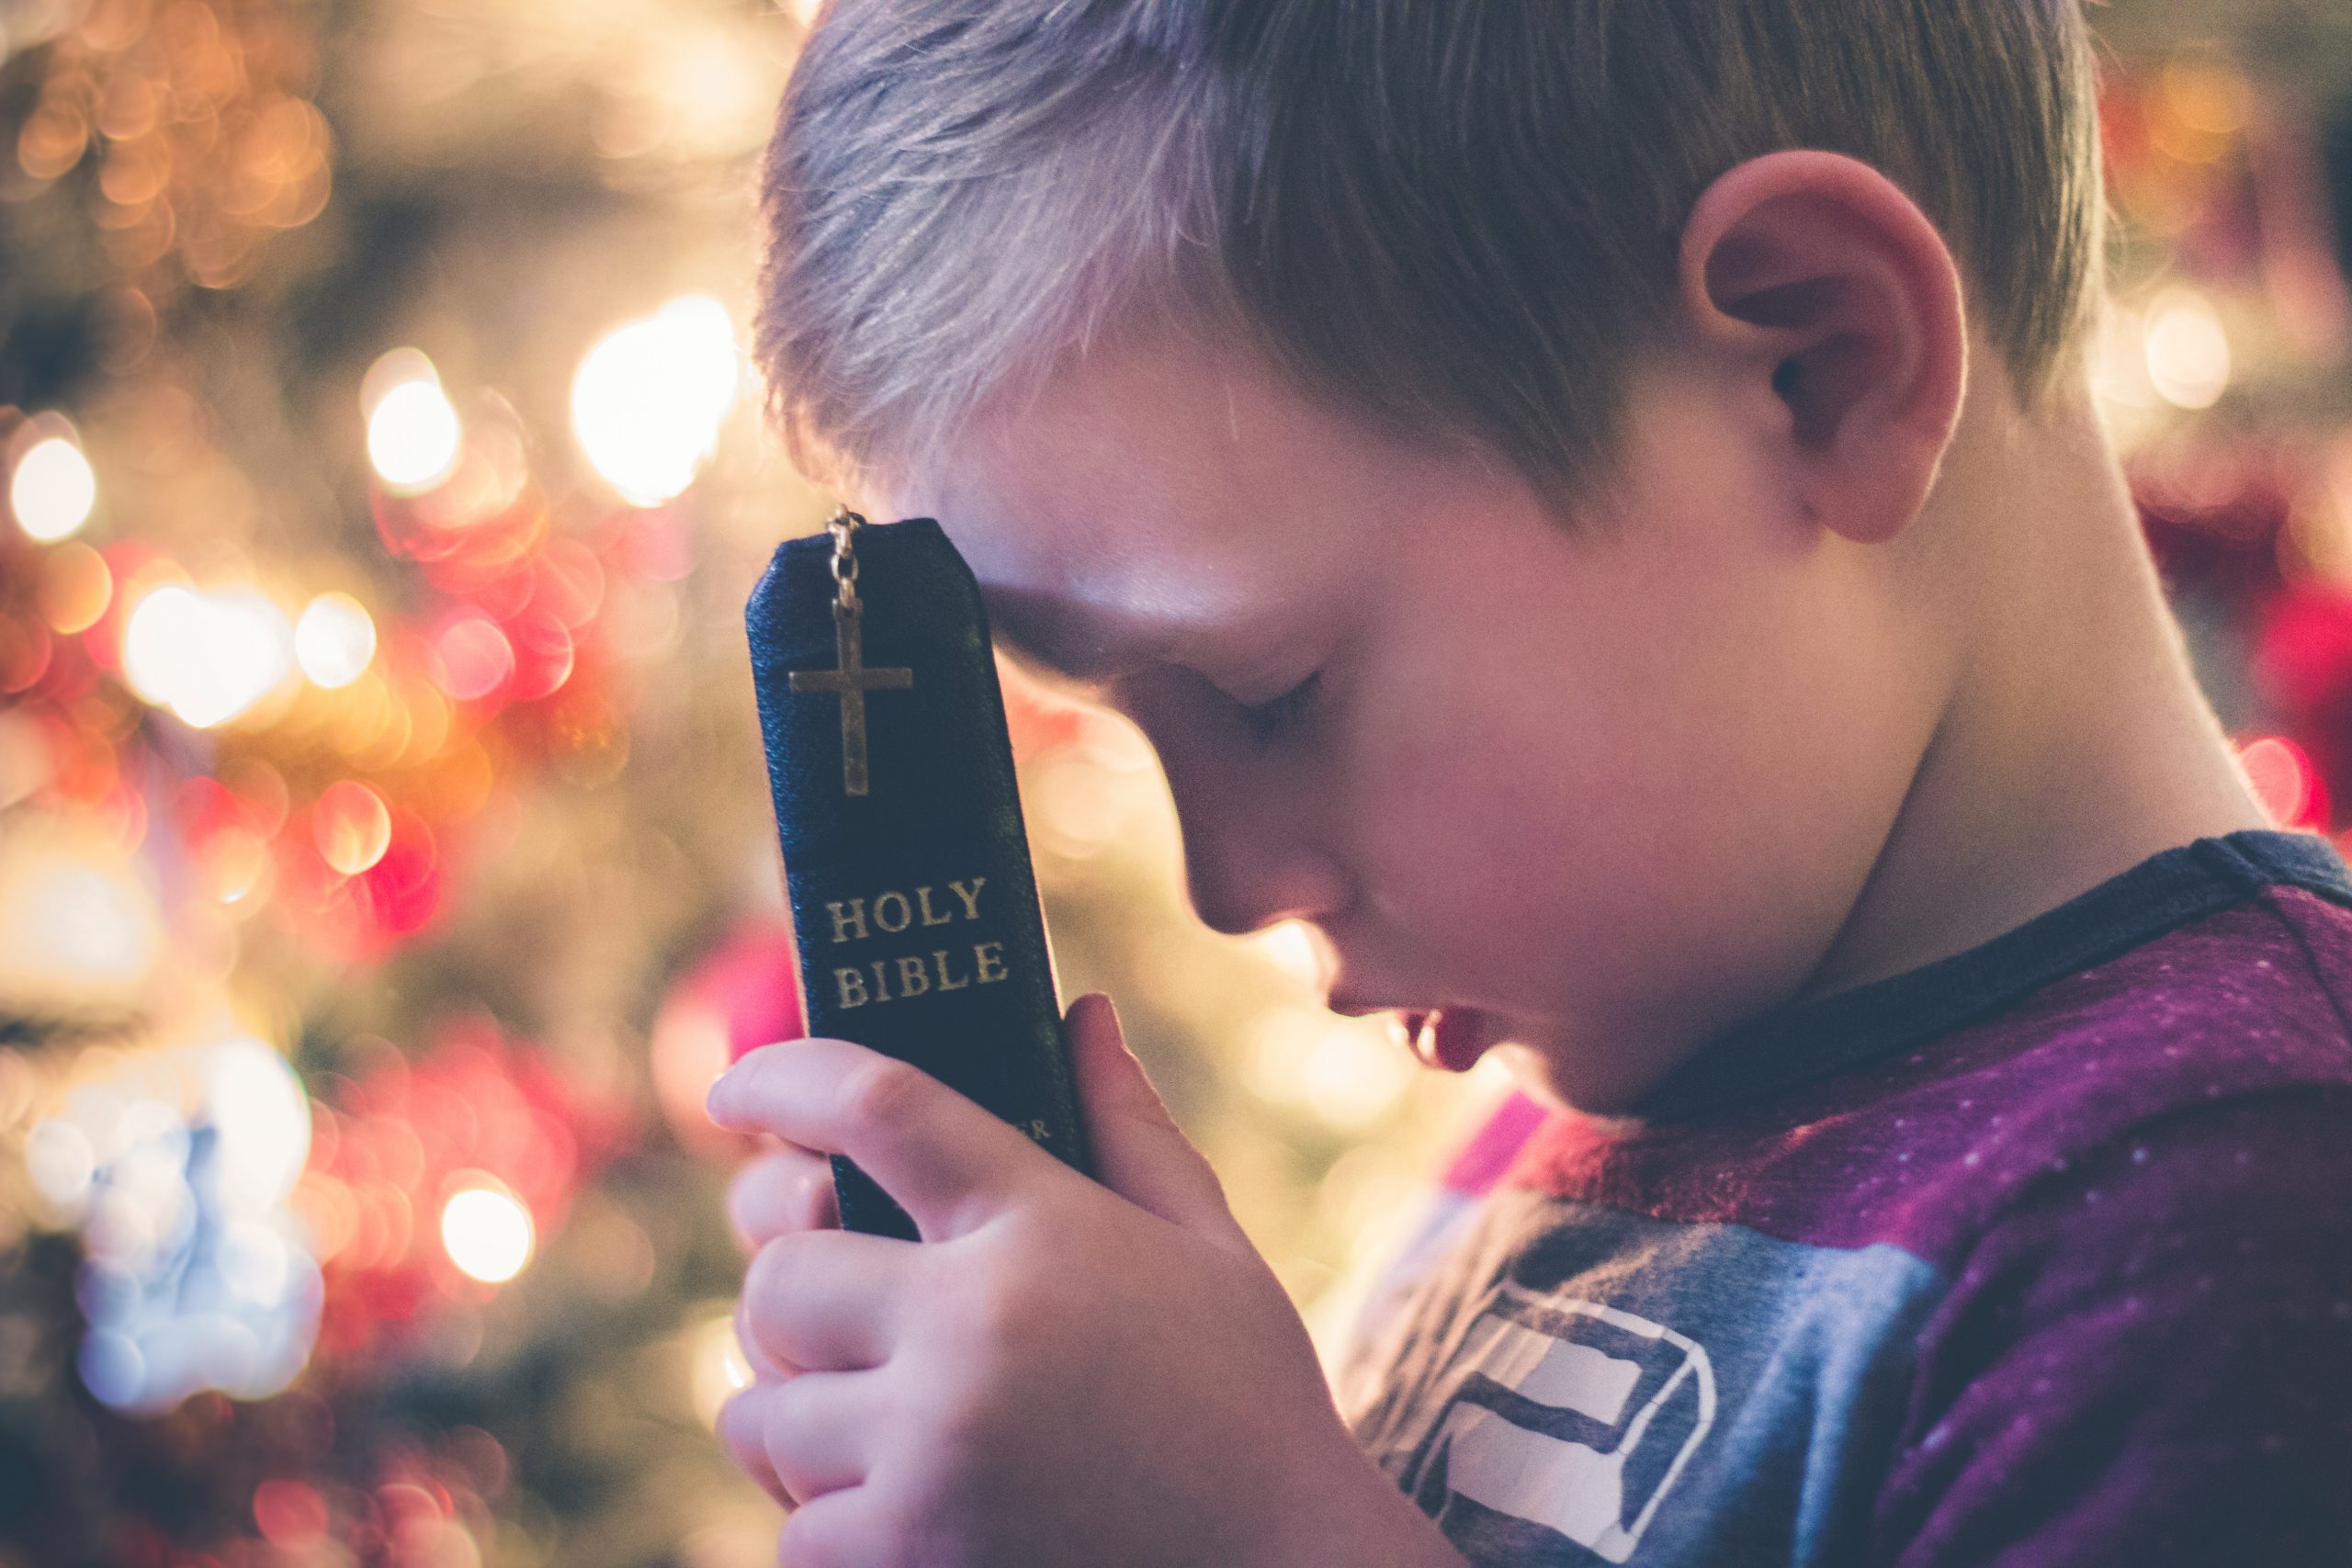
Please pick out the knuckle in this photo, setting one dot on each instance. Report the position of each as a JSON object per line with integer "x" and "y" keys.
{"x": 885, "y": 1092}
{"x": 744, "y": 1194}
{"x": 780, "y": 1263}
{"x": 1001, "y": 1305}
{"x": 805, "y": 1543}
{"x": 782, "y": 1194}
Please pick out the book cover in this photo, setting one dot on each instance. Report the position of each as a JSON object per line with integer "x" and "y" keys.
{"x": 914, "y": 907}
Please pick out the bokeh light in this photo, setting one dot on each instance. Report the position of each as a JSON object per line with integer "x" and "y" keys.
{"x": 73, "y": 922}
{"x": 719, "y": 1368}
{"x": 177, "y": 1166}
{"x": 76, "y": 586}
{"x": 206, "y": 656}
{"x": 649, "y": 399}
{"x": 415, "y": 436}
{"x": 2189, "y": 352}
{"x": 2284, "y": 782}
{"x": 1301, "y": 952}
{"x": 487, "y": 1233}
{"x": 1345, "y": 1074}
{"x": 471, "y": 658}
{"x": 52, "y": 489}
{"x": 253, "y": 1096}
{"x": 334, "y": 639}
{"x": 353, "y": 827}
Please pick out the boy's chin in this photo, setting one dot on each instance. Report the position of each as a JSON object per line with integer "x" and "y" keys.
{"x": 1569, "y": 1076}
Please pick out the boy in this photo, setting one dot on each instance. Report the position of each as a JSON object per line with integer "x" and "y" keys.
{"x": 1598, "y": 508}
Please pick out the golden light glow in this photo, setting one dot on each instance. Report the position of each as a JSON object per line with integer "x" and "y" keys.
{"x": 233, "y": 863}
{"x": 414, "y": 437}
{"x": 719, "y": 1368}
{"x": 647, "y": 400}
{"x": 487, "y": 1232}
{"x": 334, "y": 640}
{"x": 52, "y": 489}
{"x": 73, "y": 922}
{"x": 75, "y": 588}
{"x": 207, "y": 657}
{"x": 472, "y": 658}
{"x": 353, "y": 827}
{"x": 1342, "y": 1072}
{"x": 1299, "y": 950}
{"x": 2188, "y": 353}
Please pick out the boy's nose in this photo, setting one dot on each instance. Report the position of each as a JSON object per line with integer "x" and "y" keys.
{"x": 1250, "y": 862}
{"x": 1252, "y": 823}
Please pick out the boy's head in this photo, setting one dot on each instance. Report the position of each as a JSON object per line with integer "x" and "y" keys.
{"x": 1505, "y": 374}
{"x": 1438, "y": 215}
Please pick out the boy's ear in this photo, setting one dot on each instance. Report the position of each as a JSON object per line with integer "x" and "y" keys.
{"x": 1840, "y": 307}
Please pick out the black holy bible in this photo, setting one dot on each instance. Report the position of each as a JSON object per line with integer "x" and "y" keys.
{"x": 914, "y": 909}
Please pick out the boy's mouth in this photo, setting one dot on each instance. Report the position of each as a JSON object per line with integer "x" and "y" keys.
{"x": 1453, "y": 1038}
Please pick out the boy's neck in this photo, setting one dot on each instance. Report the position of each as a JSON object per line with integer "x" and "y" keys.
{"x": 2076, "y": 742}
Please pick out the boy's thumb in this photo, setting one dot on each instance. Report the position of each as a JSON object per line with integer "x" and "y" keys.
{"x": 1137, "y": 1150}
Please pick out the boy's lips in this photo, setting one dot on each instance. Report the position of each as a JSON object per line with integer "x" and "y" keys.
{"x": 1453, "y": 1038}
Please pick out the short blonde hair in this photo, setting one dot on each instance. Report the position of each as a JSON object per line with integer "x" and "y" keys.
{"x": 1456, "y": 217}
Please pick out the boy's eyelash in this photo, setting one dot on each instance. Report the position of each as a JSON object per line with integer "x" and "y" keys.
{"x": 1268, "y": 719}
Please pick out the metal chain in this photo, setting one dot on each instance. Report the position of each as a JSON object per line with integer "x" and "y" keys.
{"x": 842, "y": 524}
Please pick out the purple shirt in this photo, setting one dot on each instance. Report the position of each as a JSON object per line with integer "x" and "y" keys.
{"x": 2037, "y": 1256}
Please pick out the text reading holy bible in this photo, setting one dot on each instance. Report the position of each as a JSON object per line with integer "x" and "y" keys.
{"x": 903, "y": 974}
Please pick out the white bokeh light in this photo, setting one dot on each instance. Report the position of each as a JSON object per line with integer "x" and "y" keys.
{"x": 649, "y": 399}
{"x": 66, "y": 921}
{"x": 334, "y": 639}
{"x": 413, "y": 435}
{"x": 487, "y": 1233}
{"x": 207, "y": 656}
{"x": 253, "y": 1097}
{"x": 52, "y": 489}
{"x": 2188, "y": 351}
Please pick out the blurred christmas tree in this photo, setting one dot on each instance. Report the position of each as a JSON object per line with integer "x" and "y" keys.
{"x": 384, "y": 859}
{"x": 385, "y": 864}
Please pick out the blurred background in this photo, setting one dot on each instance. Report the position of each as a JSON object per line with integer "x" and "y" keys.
{"x": 385, "y": 858}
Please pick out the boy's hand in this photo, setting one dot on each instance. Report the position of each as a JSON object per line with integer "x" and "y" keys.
{"x": 1060, "y": 1372}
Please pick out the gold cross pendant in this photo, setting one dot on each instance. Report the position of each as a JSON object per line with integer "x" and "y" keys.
{"x": 850, "y": 682}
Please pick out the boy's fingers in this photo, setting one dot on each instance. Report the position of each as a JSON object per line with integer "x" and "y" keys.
{"x": 763, "y": 1364}
{"x": 742, "y": 1431}
{"x": 823, "y": 1300}
{"x": 816, "y": 1428}
{"x": 789, "y": 1190}
{"x": 947, "y": 1161}
{"x": 840, "y": 1527}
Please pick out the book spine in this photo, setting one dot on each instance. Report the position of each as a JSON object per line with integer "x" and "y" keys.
{"x": 914, "y": 907}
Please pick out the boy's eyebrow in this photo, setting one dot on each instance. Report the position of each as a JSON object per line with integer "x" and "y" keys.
{"x": 1051, "y": 636}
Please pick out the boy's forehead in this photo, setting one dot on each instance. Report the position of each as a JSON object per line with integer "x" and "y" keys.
{"x": 1085, "y": 596}
{"x": 1153, "y": 499}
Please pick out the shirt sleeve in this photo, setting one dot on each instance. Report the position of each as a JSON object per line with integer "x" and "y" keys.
{"x": 2146, "y": 1362}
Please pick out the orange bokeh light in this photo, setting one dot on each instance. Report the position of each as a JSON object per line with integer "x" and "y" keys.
{"x": 353, "y": 827}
